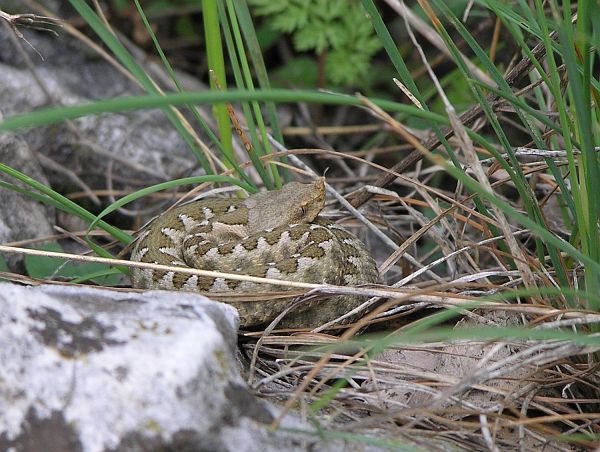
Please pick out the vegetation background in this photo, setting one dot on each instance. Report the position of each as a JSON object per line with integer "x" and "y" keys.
{"x": 468, "y": 133}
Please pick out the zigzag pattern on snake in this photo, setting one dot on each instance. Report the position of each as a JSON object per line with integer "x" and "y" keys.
{"x": 273, "y": 234}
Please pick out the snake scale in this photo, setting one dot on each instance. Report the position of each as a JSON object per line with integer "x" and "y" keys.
{"x": 274, "y": 234}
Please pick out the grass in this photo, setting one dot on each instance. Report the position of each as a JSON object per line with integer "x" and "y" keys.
{"x": 492, "y": 257}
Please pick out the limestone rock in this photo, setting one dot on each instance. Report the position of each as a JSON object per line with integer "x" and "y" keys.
{"x": 93, "y": 370}
{"x": 21, "y": 217}
{"x": 133, "y": 148}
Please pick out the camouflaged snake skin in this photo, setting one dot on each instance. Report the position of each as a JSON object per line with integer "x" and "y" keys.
{"x": 273, "y": 234}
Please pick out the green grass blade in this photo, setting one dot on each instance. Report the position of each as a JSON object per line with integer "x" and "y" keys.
{"x": 253, "y": 114}
{"x": 58, "y": 114}
{"x": 391, "y": 48}
{"x": 66, "y": 204}
{"x": 227, "y": 154}
{"x": 216, "y": 63}
{"x": 579, "y": 89}
{"x": 127, "y": 60}
{"x": 249, "y": 32}
{"x": 239, "y": 81}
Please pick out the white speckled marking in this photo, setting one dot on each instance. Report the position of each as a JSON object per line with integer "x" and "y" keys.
{"x": 141, "y": 253}
{"x": 273, "y": 273}
{"x": 167, "y": 280}
{"x": 326, "y": 245}
{"x": 191, "y": 283}
{"x": 189, "y": 223}
{"x": 220, "y": 285}
{"x": 175, "y": 235}
{"x": 170, "y": 251}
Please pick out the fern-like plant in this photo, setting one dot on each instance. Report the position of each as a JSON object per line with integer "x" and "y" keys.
{"x": 336, "y": 29}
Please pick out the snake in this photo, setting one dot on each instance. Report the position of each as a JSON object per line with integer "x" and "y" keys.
{"x": 274, "y": 234}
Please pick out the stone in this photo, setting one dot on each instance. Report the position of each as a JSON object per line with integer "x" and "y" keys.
{"x": 132, "y": 148}
{"x": 20, "y": 216}
{"x": 93, "y": 369}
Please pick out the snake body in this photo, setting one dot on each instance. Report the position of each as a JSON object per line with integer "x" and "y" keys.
{"x": 273, "y": 234}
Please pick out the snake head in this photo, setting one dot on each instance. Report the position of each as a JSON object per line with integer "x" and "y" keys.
{"x": 295, "y": 202}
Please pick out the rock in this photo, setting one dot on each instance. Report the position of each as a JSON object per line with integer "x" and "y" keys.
{"x": 93, "y": 370}
{"x": 21, "y": 217}
{"x": 133, "y": 149}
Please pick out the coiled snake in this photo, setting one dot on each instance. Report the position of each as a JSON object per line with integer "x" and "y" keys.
{"x": 273, "y": 234}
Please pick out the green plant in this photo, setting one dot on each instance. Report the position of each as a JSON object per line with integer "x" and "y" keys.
{"x": 554, "y": 106}
{"x": 337, "y": 30}
{"x": 42, "y": 267}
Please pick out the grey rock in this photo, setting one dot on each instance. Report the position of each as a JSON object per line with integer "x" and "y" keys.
{"x": 133, "y": 148}
{"x": 95, "y": 370}
{"x": 92, "y": 369}
{"x": 20, "y": 216}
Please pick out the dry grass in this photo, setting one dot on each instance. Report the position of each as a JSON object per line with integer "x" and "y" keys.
{"x": 386, "y": 374}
